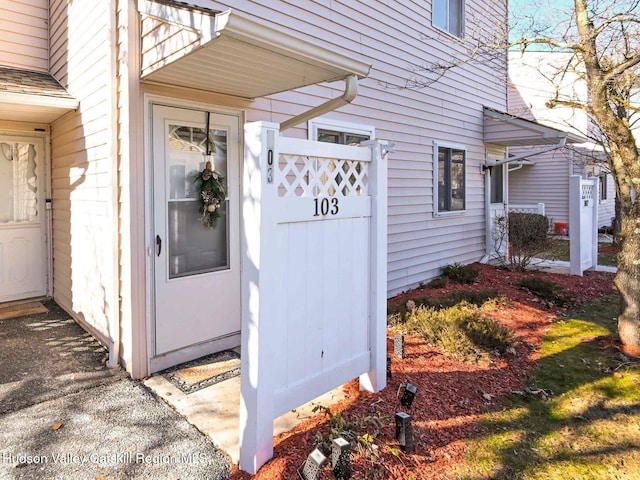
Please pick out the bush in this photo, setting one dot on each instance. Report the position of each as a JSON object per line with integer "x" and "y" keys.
{"x": 526, "y": 235}
{"x": 459, "y": 273}
{"x": 545, "y": 289}
{"x": 438, "y": 282}
{"x": 462, "y": 331}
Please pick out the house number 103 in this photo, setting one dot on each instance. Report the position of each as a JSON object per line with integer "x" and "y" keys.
{"x": 325, "y": 206}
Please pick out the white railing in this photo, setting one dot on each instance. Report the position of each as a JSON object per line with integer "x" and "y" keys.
{"x": 527, "y": 208}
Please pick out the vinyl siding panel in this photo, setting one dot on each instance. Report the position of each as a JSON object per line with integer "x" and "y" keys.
{"x": 24, "y": 34}
{"x": 82, "y": 166}
{"x": 546, "y": 181}
{"x": 395, "y": 39}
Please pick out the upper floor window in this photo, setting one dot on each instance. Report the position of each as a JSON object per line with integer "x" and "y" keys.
{"x": 448, "y": 15}
{"x": 344, "y": 133}
{"x": 449, "y": 173}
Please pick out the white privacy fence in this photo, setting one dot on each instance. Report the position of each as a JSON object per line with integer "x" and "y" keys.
{"x": 583, "y": 223}
{"x": 314, "y": 276}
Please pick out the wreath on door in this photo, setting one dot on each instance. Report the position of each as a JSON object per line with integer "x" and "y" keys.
{"x": 211, "y": 193}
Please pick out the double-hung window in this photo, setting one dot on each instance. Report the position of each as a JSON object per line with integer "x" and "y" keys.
{"x": 448, "y": 15}
{"x": 450, "y": 182}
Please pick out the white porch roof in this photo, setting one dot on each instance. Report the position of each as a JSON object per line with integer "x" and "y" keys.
{"x": 30, "y": 96}
{"x": 501, "y": 128}
{"x": 231, "y": 53}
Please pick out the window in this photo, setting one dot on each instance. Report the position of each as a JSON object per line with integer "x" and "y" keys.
{"x": 497, "y": 184}
{"x": 448, "y": 15}
{"x": 344, "y": 133}
{"x": 602, "y": 180}
{"x": 450, "y": 177}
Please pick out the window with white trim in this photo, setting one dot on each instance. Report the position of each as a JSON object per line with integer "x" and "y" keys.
{"x": 602, "y": 180}
{"x": 448, "y": 15}
{"x": 344, "y": 133}
{"x": 449, "y": 179}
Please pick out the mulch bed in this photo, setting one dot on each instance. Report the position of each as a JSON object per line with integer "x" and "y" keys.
{"x": 451, "y": 394}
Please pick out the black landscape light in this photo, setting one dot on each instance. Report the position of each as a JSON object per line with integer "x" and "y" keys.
{"x": 404, "y": 431}
{"x": 341, "y": 458}
{"x": 408, "y": 395}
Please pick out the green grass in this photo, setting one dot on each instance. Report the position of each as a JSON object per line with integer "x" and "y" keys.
{"x": 559, "y": 250}
{"x": 589, "y": 426}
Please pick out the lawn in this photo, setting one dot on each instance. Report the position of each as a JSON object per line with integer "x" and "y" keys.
{"x": 578, "y": 417}
{"x": 559, "y": 250}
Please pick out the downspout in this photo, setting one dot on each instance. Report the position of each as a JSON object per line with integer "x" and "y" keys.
{"x": 114, "y": 313}
{"x": 350, "y": 92}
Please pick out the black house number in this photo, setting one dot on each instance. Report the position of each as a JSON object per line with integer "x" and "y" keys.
{"x": 325, "y": 206}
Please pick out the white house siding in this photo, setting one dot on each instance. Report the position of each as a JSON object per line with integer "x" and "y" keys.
{"x": 24, "y": 34}
{"x": 82, "y": 168}
{"x": 607, "y": 206}
{"x": 547, "y": 181}
{"x": 393, "y": 37}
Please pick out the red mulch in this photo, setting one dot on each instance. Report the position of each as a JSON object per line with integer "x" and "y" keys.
{"x": 451, "y": 394}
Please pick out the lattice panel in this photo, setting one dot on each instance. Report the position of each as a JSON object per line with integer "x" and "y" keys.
{"x": 587, "y": 192}
{"x": 304, "y": 176}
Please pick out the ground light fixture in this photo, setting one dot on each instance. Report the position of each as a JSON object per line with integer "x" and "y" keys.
{"x": 341, "y": 458}
{"x": 312, "y": 466}
{"x": 398, "y": 345}
{"x": 408, "y": 395}
{"x": 388, "y": 366}
{"x": 404, "y": 431}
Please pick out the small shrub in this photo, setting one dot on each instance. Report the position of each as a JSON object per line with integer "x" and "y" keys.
{"x": 462, "y": 330}
{"x": 459, "y": 273}
{"x": 438, "y": 282}
{"x": 545, "y": 289}
{"x": 519, "y": 238}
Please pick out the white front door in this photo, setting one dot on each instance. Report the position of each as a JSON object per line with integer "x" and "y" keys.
{"x": 196, "y": 265}
{"x": 23, "y": 225}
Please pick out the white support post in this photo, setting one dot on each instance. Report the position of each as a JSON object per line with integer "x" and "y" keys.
{"x": 575, "y": 247}
{"x": 594, "y": 223}
{"x": 376, "y": 378}
{"x": 540, "y": 208}
{"x": 258, "y": 309}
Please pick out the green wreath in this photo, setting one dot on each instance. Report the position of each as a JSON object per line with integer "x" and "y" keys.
{"x": 211, "y": 194}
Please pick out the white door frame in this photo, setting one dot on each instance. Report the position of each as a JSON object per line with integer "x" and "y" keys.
{"x": 45, "y": 138}
{"x": 157, "y": 363}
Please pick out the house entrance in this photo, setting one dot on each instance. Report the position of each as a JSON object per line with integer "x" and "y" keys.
{"x": 197, "y": 258}
{"x": 23, "y": 224}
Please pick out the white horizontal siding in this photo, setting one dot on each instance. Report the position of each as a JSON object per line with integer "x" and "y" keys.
{"x": 394, "y": 38}
{"x": 81, "y": 174}
{"x": 24, "y": 34}
{"x": 546, "y": 181}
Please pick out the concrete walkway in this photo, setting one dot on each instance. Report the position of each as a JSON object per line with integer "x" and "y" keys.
{"x": 65, "y": 415}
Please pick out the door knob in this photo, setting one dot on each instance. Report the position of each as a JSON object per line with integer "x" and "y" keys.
{"x": 158, "y": 245}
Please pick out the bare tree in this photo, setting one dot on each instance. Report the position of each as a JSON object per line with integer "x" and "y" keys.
{"x": 602, "y": 42}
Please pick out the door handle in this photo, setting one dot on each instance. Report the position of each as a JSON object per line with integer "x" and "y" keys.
{"x": 158, "y": 245}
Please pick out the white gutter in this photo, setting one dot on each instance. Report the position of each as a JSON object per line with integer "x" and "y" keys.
{"x": 350, "y": 92}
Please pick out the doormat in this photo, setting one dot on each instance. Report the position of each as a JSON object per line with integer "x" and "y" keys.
{"x": 21, "y": 309}
{"x": 203, "y": 372}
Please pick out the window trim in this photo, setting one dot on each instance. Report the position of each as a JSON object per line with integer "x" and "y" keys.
{"x": 436, "y": 202}
{"x": 321, "y": 123}
{"x": 463, "y": 23}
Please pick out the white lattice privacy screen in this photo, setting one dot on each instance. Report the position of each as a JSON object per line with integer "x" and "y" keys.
{"x": 313, "y": 277}
{"x": 304, "y": 176}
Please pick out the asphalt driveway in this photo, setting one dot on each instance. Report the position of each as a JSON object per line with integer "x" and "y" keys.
{"x": 64, "y": 415}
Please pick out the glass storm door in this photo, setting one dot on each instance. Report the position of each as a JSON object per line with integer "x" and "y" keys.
{"x": 196, "y": 263}
{"x": 23, "y": 248}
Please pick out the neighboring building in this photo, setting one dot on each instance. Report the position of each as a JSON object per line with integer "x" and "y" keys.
{"x": 544, "y": 178}
{"x": 104, "y": 109}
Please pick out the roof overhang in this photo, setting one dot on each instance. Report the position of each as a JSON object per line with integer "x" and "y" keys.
{"x": 233, "y": 54}
{"x": 504, "y": 129}
{"x": 36, "y": 97}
